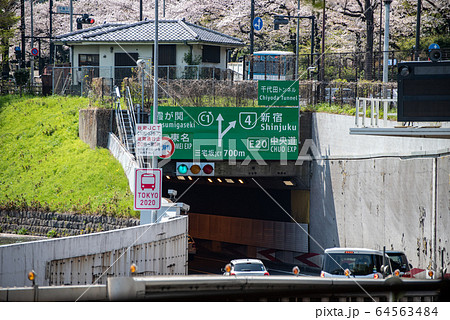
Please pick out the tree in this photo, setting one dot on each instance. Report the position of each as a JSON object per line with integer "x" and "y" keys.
{"x": 364, "y": 12}
{"x": 8, "y": 19}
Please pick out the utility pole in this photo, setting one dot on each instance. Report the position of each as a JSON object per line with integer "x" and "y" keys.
{"x": 322, "y": 59}
{"x": 379, "y": 42}
{"x": 51, "y": 28}
{"x": 71, "y": 20}
{"x": 387, "y": 4}
{"x": 140, "y": 10}
{"x": 155, "y": 93}
{"x": 252, "y": 36}
{"x": 32, "y": 46}
{"x": 22, "y": 31}
{"x": 297, "y": 40}
{"x": 417, "y": 48}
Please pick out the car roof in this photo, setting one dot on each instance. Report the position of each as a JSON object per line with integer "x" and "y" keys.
{"x": 353, "y": 250}
{"x": 237, "y": 261}
{"x": 394, "y": 251}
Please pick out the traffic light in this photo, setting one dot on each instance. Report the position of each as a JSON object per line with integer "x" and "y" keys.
{"x": 18, "y": 53}
{"x": 279, "y": 20}
{"x": 84, "y": 20}
{"x": 195, "y": 169}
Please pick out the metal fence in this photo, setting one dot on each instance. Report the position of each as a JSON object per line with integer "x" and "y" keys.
{"x": 199, "y": 86}
{"x": 349, "y": 66}
{"x": 88, "y": 80}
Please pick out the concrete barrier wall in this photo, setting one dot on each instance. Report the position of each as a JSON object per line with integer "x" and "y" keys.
{"x": 331, "y": 136}
{"x": 125, "y": 158}
{"x": 376, "y": 191}
{"x": 156, "y": 249}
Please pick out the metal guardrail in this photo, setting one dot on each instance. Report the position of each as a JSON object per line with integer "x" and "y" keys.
{"x": 274, "y": 288}
{"x": 224, "y": 288}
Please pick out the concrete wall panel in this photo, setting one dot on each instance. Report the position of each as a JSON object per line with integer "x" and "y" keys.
{"x": 155, "y": 248}
{"x": 379, "y": 191}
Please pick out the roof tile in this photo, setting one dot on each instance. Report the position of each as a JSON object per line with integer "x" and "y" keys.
{"x": 144, "y": 31}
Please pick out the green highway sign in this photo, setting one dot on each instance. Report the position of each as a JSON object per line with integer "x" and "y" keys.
{"x": 223, "y": 133}
{"x": 277, "y": 93}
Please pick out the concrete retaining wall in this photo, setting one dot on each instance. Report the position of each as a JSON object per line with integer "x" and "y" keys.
{"x": 380, "y": 191}
{"x": 330, "y": 133}
{"x": 126, "y": 159}
{"x": 94, "y": 125}
{"x": 156, "y": 249}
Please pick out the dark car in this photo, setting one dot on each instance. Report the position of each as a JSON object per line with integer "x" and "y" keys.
{"x": 400, "y": 262}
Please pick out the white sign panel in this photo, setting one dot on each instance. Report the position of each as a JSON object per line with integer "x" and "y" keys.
{"x": 147, "y": 190}
{"x": 63, "y": 9}
{"x": 148, "y": 140}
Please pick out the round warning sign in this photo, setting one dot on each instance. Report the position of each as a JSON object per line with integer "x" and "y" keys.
{"x": 168, "y": 148}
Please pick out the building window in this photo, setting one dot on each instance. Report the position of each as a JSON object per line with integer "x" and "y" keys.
{"x": 167, "y": 55}
{"x": 88, "y": 60}
{"x": 211, "y": 54}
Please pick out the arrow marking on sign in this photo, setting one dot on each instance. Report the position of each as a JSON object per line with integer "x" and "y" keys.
{"x": 232, "y": 124}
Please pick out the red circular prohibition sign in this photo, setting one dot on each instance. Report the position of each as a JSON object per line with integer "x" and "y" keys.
{"x": 167, "y": 151}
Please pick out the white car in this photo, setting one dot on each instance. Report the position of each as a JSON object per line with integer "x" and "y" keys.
{"x": 355, "y": 262}
{"x": 245, "y": 267}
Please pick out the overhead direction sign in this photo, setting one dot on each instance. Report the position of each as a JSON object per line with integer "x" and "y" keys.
{"x": 148, "y": 140}
{"x": 221, "y": 133}
{"x": 277, "y": 93}
{"x": 147, "y": 190}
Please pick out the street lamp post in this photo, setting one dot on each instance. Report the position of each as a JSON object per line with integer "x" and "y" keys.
{"x": 155, "y": 93}
{"x": 387, "y": 4}
{"x": 279, "y": 19}
{"x": 417, "y": 48}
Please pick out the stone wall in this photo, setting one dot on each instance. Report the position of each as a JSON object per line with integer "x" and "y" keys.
{"x": 36, "y": 223}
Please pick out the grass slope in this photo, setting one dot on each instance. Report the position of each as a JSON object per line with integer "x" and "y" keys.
{"x": 44, "y": 165}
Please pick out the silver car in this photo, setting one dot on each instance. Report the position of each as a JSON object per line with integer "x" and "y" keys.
{"x": 245, "y": 267}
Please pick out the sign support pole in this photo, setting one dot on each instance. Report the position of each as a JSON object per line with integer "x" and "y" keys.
{"x": 155, "y": 92}
{"x": 32, "y": 46}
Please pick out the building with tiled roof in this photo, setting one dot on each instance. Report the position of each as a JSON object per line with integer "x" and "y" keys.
{"x": 113, "y": 46}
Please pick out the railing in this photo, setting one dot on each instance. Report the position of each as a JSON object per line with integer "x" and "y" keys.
{"x": 273, "y": 288}
{"x": 132, "y": 117}
{"x": 119, "y": 119}
{"x": 231, "y": 288}
{"x": 375, "y": 103}
{"x": 130, "y": 111}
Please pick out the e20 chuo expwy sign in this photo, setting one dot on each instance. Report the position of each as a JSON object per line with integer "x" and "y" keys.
{"x": 219, "y": 133}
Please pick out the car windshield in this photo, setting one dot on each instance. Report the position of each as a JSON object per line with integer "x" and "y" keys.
{"x": 248, "y": 267}
{"x": 399, "y": 261}
{"x": 358, "y": 264}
